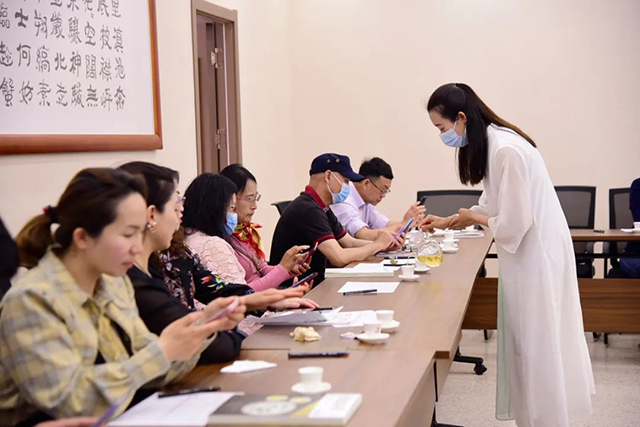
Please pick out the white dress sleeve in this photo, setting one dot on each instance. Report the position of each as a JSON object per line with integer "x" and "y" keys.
{"x": 514, "y": 216}
{"x": 481, "y": 207}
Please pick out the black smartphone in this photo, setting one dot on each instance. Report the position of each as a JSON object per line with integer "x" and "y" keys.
{"x": 310, "y": 253}
{"x": 305, "y": 279}
{"x": 321, "y": 353}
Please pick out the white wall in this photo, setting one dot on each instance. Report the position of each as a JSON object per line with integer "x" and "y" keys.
{"x": 349, "y": 76}
{"x": 565, "y": 72}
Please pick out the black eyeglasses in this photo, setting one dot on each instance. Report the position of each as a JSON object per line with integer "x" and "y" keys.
{"x": 387, "y": 191}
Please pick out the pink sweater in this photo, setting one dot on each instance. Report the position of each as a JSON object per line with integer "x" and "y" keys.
{"x": 218, "y": 256}
{"x": 273, "y": 274}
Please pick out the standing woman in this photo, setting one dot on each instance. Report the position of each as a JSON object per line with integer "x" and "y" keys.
{"x": 544, "y": 371}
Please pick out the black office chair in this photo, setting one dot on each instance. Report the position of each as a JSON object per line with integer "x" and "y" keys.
{"x": 619, "y": 217}
{"x": 281, "y": 206}
{"x": 579, "y": 207}
{"x": 445, "y": 203}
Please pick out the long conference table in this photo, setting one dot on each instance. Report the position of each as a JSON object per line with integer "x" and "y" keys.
{"x": 401, "y": 380}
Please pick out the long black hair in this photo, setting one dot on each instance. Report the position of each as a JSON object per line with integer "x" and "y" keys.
{"x": 239, "y": 175}
{"x": 161, "y": 181}
{"x": 207, "y": 201}
{"x": 450, "y": 99}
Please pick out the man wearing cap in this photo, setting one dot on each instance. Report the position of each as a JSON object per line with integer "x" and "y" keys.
{"x": 308, "y": 219}
{"x": 358, "y": 213}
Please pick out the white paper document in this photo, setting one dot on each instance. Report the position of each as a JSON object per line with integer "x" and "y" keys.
{"x": 240, "y": 366}
{"x": 187, "y": 410}
{"x": 381, "y": 287}
{"x": 295, "y": 317}
{"x": 361, "y": 270}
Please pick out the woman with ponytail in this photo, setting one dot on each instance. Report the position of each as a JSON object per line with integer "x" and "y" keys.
{"x": 544, "y": 371}
{"x": 71, "y": 340}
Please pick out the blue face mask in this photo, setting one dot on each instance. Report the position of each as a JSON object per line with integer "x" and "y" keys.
{"x": 232, "y": 222}
{"x": 343, "y": 194}
{"x": 452, "y": 139}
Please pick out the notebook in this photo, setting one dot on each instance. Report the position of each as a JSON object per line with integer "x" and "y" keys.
{"x": 331, "y": 409}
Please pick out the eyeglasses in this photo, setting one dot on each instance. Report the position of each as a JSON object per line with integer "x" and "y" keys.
{"x": 181, "y": 200}
{"x": 252, "y": 199}
{"x": 387, "y": 191}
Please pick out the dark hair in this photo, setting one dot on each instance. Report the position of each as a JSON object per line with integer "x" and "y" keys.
{"x": 89, "y": 202}
{"x": 207, "y": 200}
{"x": 374, "y": 168}
{"x": 239, "y": 175}
{"x": 450, "y": 99}
{"x": 161, "y": 181}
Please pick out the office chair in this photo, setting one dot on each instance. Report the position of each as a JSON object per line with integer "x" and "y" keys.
{"x": 281, "y": 206}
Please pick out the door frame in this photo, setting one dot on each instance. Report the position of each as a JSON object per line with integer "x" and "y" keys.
{"x": 230, "y": 19}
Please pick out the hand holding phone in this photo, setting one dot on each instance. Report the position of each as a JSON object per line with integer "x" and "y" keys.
{"x": 223, "y": 312}
{"x": 310, "y": 253}
{"x": 406, "y": 227}
{"x": 305, "y": 279}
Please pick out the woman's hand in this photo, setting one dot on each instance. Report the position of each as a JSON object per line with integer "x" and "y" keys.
{"x": 431, "y": 222}
{"x": 292, "y": 260}
{"x": 269, "y": 297}
{"x": 464, "y": 219}
{"x": 182, "y": 339}
{"x": 291, "y": 303}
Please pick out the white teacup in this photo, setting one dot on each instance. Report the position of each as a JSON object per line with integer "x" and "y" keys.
{"x": 384, "y": 316}
{"x": 311, "y": 376}
{"x": 449, "y": 235}
{"x": 636, "y": 225}
{"x": 372, "y": 327}
{"x": 420, "y": 266}
{"x": 448, "y": 244}
{"x": 407, "y": 270}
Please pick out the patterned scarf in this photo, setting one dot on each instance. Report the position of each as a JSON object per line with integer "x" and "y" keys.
{"x": 247, "y": 232}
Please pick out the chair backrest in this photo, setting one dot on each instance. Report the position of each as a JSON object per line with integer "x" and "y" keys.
{"x": 281, "y": 206}
{"x": 579, "y": 207}
{"x": 619, "y": 212}
{"x": 578, "y": 204}
{"x": 447, "y": 202}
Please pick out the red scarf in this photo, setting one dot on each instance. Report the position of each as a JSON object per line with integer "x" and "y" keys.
{"x": 247, "y": 232}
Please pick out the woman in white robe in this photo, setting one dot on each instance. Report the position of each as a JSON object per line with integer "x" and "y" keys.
{"x": 544, "y": 371}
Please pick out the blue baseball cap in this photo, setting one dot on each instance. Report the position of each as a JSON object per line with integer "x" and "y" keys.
{"x": 335, "y": 163}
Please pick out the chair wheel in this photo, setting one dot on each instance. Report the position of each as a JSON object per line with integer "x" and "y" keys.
{"x": 480, "y": 369}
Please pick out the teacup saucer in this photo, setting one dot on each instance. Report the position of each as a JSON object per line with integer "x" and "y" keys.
{"x": 452, "y": 250}
{"x": 372, "y": 338}
{"x": 454, "y": 240}
{"x": 316, "y": 388}
{"x": 391, "y": 326}
{"x": 421, "y": 269}
{"x": 411, "y": 278}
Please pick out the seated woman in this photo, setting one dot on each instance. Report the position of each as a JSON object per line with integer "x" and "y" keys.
{"x": 71, "y": 340}
{"x": 210, "y": 220}
{"x": 245, "y": 240}
{"x": 162, "y": 301}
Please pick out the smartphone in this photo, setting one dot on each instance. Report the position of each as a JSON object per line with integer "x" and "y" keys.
{"x": 310, "y": 253}
{"x": 305, "y": 279}
{"x": 326, "y": 353}
{"x": 406, "y": 227}
{"x": 223, "y": 311}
